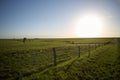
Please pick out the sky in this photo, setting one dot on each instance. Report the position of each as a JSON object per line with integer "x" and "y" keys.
{"x": 55, "y": 18}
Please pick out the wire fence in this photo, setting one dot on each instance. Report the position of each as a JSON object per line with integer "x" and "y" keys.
{"x": 28, "y": 62}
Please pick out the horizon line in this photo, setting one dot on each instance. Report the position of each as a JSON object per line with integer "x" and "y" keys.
{"x": 58, "y": 37}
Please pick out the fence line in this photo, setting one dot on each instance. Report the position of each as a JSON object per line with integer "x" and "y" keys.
{"x": 54, "y": 53}
{"x": 89, "y": 51}
{"x": 78, "y": 51}
{"x": 89, "y": 48}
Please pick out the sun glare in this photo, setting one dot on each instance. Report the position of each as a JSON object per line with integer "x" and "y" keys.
{"x": 89, "y": 26}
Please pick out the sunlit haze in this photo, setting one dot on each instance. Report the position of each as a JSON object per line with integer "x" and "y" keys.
{"x": 59, "y": 18}
{"x": 90, "y": 25}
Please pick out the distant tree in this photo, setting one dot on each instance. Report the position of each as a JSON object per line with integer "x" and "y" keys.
{"x": 24, "y": 39}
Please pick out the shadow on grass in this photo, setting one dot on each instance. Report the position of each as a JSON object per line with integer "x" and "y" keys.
{"x": 68, "y": 67}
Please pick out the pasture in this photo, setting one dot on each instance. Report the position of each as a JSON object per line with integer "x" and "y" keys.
{"x": 34, "y": 59}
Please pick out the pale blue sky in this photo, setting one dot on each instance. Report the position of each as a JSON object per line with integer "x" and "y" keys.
{"x": 53, "y": 18}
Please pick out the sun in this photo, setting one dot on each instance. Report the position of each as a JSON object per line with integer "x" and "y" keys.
{"x": 89, "y": 26}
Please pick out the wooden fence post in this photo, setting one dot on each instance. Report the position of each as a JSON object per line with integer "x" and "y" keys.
{"x": 95, "y": 46}
{"x": 78, "y": 51}
{"x": 54, "y": 54}
{"x": 88, "y": 51}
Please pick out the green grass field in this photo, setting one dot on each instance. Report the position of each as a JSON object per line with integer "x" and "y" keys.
{"x": 33, "y": 60}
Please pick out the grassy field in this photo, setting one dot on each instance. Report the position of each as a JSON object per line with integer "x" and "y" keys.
{"x": 33, "y": 60}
